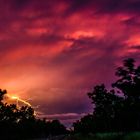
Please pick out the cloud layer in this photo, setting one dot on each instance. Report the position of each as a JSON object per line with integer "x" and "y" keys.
{"x": 53, "y": 52}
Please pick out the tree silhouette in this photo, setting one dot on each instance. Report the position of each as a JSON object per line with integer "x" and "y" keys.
{"x": 129, "y": 84}
{"x": 112, "y": 112}
{"x": 85, "y": 125}
{"x": 20, "y": 122}
{"x": 55, "y": 128}
{"x": 107, "y": 104}
{"x": 129, "y": 79}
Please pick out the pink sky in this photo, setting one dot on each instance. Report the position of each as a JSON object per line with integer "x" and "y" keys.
{"x": 53, "y": 52}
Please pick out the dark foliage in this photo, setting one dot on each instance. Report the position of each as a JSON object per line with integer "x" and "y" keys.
{"x": 20, "y": 122}
{"x": 114, "y": 113}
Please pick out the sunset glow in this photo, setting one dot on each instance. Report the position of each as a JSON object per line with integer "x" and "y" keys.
{"x": 19, "y": 100}
{"x": 14, "y": 97}
{"x": 53, "y": 52}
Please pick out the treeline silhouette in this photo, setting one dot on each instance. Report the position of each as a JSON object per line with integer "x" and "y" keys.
{"x": 115, "y": 110}
{"x": 118, "y": 109}
{"x": 21, "y": 123}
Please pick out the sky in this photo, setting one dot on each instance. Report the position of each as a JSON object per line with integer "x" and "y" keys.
{"x": 52, "y": 52}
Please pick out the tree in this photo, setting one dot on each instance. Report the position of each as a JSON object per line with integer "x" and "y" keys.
{"x": 106, "y": 107}
{"x": 85, "y": 125}
{"x": 129, "y": 79}
{"x": 54, "y": 127}
{"x": 129, "y": 85}
{"x": 21, "y": 123}
{"x": 112, "y": 112}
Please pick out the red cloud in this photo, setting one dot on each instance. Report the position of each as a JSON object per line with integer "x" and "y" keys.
{"x": 71, "y": 45}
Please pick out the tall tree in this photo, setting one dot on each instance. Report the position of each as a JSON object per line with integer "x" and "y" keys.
{"x": 129, "y": 85}
{"x": 112, "y": 112}
{"x": 106, "y": 107}
{"x": 129, "y": 79}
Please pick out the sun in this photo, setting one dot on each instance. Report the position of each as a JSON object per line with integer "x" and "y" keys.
{"x": 19, "y": 100}
{"x": 13, "y": 97}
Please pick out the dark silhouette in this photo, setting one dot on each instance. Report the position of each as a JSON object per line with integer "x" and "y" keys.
{"x": 117, "y": 110}
{"x": 21, "y": 123}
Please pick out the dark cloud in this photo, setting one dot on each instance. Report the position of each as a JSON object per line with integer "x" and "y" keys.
{"x": 61, "y": 101}
{"x": 133, "y": 21}
{"x": 67, "y": 116}
{"x": 19, "y": 5}
{"x": 51, "y": 8}
{"x": 104, "y": 6}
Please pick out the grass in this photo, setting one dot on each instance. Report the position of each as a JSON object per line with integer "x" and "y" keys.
{"x": 132, "y": 136}
{"x": 105, "y": 136}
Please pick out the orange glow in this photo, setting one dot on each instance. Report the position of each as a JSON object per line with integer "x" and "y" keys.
{"x": 14, "y": 97}
{"x": 18, "y": 99}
